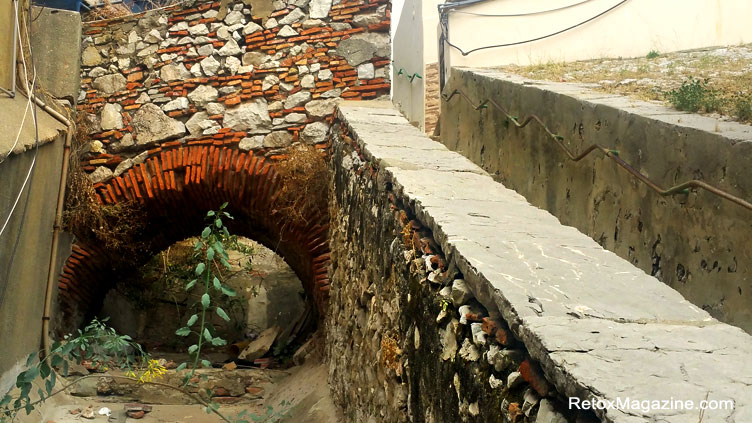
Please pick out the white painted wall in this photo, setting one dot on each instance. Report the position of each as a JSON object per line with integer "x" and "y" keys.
{"x": 630, "y": 30}
{"x": 407, "y": 54}
{"x": 414, "y": 45}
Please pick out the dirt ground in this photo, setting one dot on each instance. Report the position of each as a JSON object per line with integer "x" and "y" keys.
{"x": 726, "y": 72}
{"x": 296, "y": 395}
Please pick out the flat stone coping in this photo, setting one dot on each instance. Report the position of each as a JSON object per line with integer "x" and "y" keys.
{"x": 600, "y": 327}
{"x": 11, "y": 115}
{"x": 731, "y": 131}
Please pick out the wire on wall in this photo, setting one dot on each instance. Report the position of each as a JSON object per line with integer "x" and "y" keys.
{"x": 611, "y": 154}
{"x": 445, "y": 31}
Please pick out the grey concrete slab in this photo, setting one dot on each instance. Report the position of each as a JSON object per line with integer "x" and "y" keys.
{"x": 600, "y": 327}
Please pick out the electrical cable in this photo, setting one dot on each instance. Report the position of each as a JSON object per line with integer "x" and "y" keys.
{"x": 29, "y": 92}
{"x": 514, "y": 15}
{"x": 465, "y": 53}
{"x": 30, "y": 175}
{"x": 682, "y": 188}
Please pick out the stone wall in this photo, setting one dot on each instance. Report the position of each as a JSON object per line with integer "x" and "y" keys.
{"x": 188, "y": 110}
{"x": 454, "y": 299}
{"x": 406, "y": 338}
{"x": 695, "y": 242}
{"x": 183, "y": 74}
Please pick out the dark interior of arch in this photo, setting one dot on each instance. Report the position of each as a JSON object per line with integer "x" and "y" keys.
{"x": 174, "y": 197}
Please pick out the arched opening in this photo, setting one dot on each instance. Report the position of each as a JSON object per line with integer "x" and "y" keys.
{"x": 151, "y": 302}
{"x": 174, "y": 188}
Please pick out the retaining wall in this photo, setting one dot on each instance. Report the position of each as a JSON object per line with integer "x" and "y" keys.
{"x": 453, "y": 299}
{"x": 697, "y": 243}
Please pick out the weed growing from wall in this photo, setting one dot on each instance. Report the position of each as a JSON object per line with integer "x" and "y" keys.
{"x": 694, "y": 95}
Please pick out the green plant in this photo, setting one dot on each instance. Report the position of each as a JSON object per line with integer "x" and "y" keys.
{"x": 98, "y": 344}
{"x": 743, "y": 108}
{"x": 693, "y": 95}
{"x": 653, "y": 54}
{"x": 210, "y": 247}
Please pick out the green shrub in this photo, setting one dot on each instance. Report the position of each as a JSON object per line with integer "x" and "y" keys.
{"x": 694, "y": 95}
{"x": 653, "y": 54}
{"x": 743, "y": 108}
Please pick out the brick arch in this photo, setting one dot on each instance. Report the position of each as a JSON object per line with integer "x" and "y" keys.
{"x": 176, "y": 185}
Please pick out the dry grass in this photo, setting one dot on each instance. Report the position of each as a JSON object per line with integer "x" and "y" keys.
{"x": 728, "y": 72}
{"x": 305, "y": 184}
{"x": 116, "y": 226}
{"x": 111, "y": 11}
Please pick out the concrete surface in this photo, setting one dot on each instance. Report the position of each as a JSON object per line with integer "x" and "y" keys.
{"x": 23, "y": 275}
{"x": 696, "y": 243}
{"x": 600, "y": 327}
{"x": 57, "y": 53}
{"x": 6, "y": 45}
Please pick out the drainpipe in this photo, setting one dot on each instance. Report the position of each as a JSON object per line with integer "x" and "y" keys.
{"x": 51, "y": 272}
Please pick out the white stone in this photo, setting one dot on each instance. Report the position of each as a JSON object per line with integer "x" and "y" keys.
{"x": 111, "y": 117}
{"x": 461, "y": 293}
{"x": 292, "y": 17}
{"x": 133, "y": 37}
{"x": 123, "y": 166}
{"x": 251, "y": 28}
{"x": 321, "y": 108}
{"x": 210, "y": 65}
{"x": 325, "y": 75}
{"x": 495, "y": 383}
{"x": 206, "y": 50}
{"x": 124, "y": 63}
{"x": 234, "y": 17}
{"x": 278, "y": 139}
{"x": 179, "y": 103}
{"x": 110, "y": 84}
{"x": 287, "y": 31}
{"x": 252, "y": 143}
{"x": 314, "y": 132}
{"x": 271, "y": 23}
{"x": 366, "y": 71}
{"x": 150, "y": 124}
{"x": 180, "y": 26}
{"x": 297, "y": 99}
{"x": 296, "y": 118}
{"x": 245, "y": 69}
{"x": 151, "y": 49}
{"x": 210, "y": 14}
{"x": 547, "y": 413}
{"x": 195, "y": 124}
{"x": 311, "y": 23}
{"x": 232, "y": 64}
{"x": 223, "y": 33}
{"x": 469, "y": 352}
{"x": 153, "y": 36}
{"x": 318, "y": 9}
{"x": 230, "y": 48}
{"x": 203, "y": 94}
{"x": 252, "y": 116}
{"x": 143, "y": 98}
{"x": 173, "y": 72}
{"x": 100, "y": 174}
{"x": 97, "y": 72}
{"x": 269, "y": 81}
{"x": 200, "y": 29}
{"x": 215, "y": 108}
{"x": 308, "y": 82}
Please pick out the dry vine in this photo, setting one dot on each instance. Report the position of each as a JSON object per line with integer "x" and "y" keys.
{"x": 305, "y": 184}
{"x": 115, "y": 225}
